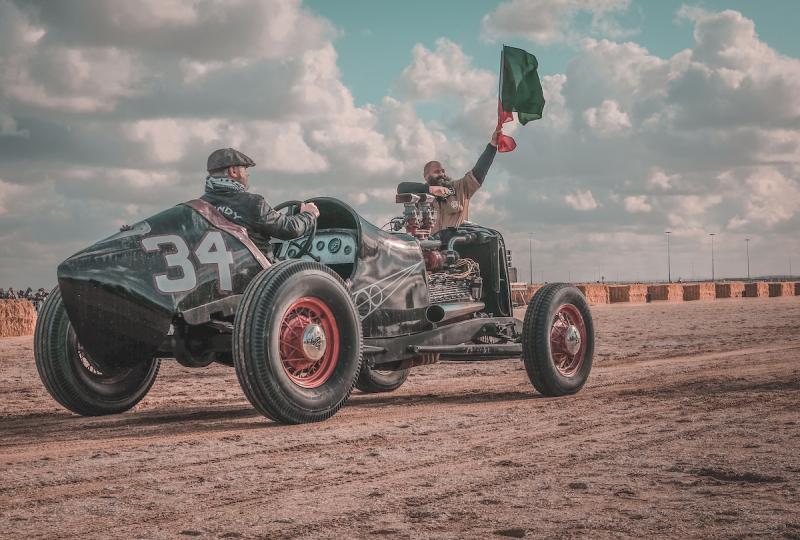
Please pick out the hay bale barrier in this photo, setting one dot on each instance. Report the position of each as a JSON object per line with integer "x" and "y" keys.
{"x": 637, "y": 293}
{"x": 594, "y": 293}
{"x": 619, "y": 293}
{"x": 797, "y": 289}
{"x": 666, "y": 291}
{"x": 17, "y": 318}
{"x": 757, "y": 289}
{"x": 734, "y": 289}
{"x": 691, "y": 292}
{"x": 707, "y": 291}
{"x": 781, "y": 289}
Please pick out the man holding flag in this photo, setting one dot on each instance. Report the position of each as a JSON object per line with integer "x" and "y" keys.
{"x": 520, "y": 92}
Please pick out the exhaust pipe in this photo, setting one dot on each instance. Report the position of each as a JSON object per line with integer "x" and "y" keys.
{"x": 444, "y": 312}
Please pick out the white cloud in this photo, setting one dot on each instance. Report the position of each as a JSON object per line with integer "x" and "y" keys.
{"x": 10, "y": 194}
{"x": 773, "y": 198}
{"x": 698, "y": 141}
{"x": 8, "y": 127}
{"x": 550, "y": 21}
{"x": 661, "y": 180}
{"x": 607, "y": 119}
{"x": 637, "y": 204}
{"x": 581, "y": 200}
{"x": 447, "y": 71}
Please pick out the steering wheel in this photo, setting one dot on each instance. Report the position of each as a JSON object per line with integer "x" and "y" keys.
{"x": 303, "y": 248}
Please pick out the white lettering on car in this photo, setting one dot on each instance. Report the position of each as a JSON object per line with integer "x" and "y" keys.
{"x": 210, "y": 250}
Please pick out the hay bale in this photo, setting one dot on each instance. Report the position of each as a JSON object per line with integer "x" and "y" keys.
{"x": 756, "y": 289}
{"x": 797, "y": 288}
{"x": 734, "y": 289}
{"x": 781, "y": 289}
{"x": 17, "y": 318}
{"x": 595, "y": 293}
{"x": 666, "y": 291}
{"x": 737, "y": 289}
{"x": 637, "y": 293}
{"x": 707, "y": 291}
{"x": 723, "y": 290}
{"x": 619, "y": 293}
{"x": 691, "y": 292}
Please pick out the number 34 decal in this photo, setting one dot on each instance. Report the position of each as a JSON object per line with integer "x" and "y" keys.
{"x": 210, "y": 250}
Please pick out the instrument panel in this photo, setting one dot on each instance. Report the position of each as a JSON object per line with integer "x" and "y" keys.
{"x": 331, "y": 247}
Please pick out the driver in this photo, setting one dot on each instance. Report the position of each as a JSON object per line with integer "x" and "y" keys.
{"x": 452, "y": 196}
{"x": 226, "y": 189}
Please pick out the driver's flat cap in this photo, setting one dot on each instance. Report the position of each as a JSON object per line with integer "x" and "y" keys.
{"x": 227, "y": 157}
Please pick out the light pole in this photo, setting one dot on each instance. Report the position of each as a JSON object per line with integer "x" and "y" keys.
{"x": 712, "y": 255}
{"x": 530, "y": 255}
{"x": 669, "y": 268}
{"x": 747, "y": 245}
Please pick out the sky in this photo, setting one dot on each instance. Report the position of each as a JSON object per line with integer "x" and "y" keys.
{"x": 660, "y": 116}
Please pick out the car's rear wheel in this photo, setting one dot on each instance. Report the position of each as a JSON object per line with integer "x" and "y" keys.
{"x": 297, "y": 342}
{"x": 375, "y": 381}
{"x": 76, "y": 380}
{"x": 558, "y": 340}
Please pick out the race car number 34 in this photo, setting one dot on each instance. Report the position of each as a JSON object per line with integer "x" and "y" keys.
{"x": 210, "y": 250}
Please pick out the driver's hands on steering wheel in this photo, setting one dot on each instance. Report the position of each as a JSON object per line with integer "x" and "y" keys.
{"x": 311, "y": 208}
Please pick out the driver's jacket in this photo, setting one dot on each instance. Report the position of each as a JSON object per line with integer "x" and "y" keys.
{"x": 253, "y": 213}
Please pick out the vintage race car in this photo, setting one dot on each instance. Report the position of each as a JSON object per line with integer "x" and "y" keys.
{"x": 348, "y": 305}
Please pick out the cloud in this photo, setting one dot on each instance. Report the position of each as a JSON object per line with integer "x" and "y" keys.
{"x": 706, "y": 139}
{"x": 661, "y": 180}
{"x": 607, "y": 119}
{"x": 637, "y": 204}
{"x": 211, "y": 30}
{"x": 581, "y": 200}
{"x": 8, "y": 127}
{"x": 773, "y": 198}
{"x": 551, "y": 21}
{"x": 447, "y": 71}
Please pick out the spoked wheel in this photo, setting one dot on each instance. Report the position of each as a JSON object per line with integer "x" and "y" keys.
{"x": 309, "y": 342}
{"x": 375, "y": 381}
{"x": 558, "y": 340}
{"x": 297, "y": 342}
{"x": 73, "y": 378}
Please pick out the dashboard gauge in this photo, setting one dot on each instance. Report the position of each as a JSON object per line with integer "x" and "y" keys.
{"x": 291, "y": 253}
{"x": 320, "y": 245}
{"x": 348, "y": 250}
{"x": 334, "y": 245}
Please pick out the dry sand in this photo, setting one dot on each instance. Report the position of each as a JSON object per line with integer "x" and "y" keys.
{"x": 689, "y": 426}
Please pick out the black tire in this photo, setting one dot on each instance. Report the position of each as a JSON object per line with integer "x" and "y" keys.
{"x": 376, "y": 381}
{"x": 271, "y": 383}
{"x": 551, "y": 312}
{"x": 71, "y": 377}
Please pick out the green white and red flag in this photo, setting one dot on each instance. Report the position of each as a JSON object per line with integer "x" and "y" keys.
{"x": 520, "y": 92}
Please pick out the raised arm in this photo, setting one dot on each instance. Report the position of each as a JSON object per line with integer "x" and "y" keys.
{"x": 485, "y": 161}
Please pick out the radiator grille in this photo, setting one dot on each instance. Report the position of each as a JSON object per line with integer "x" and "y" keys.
{"x": 443, "y": 289}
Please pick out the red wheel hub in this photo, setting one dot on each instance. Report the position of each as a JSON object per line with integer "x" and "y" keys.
{"x": 309, "y": 342}
{"x": 568, "y": 340}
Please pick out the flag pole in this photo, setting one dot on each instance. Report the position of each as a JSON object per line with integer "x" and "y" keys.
{"x": 500, "y": 78}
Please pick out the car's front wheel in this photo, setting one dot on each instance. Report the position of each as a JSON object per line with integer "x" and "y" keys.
{"x": 77, "y": 381}
{"x": 297, "y": 342}
{"x": 558, "y": 340}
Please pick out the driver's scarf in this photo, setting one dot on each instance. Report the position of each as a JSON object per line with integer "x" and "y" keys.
{"x": 223, "y": 185}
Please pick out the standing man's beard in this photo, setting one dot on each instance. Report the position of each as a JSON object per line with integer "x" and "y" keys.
{"x": 442, "y": 180}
